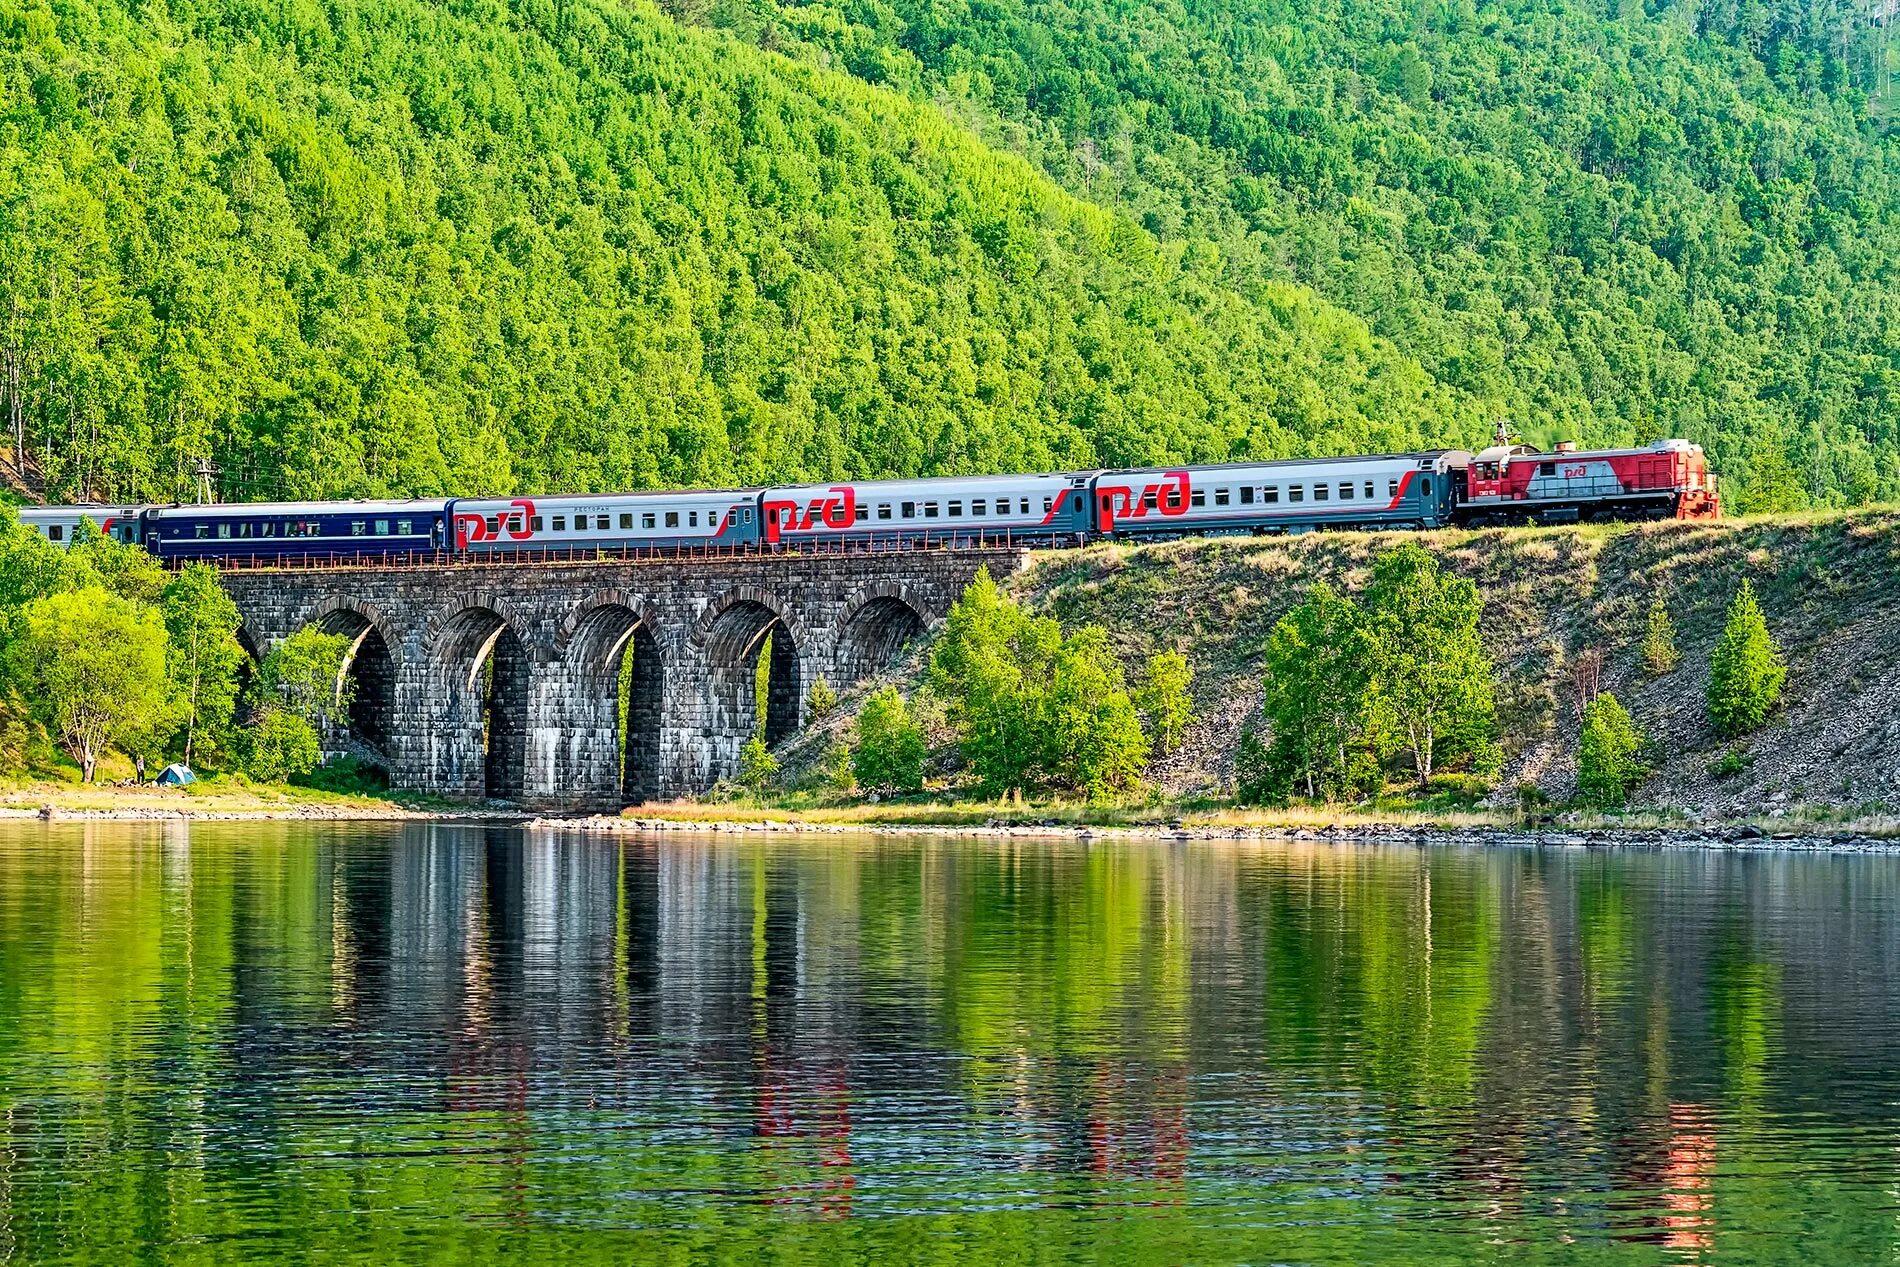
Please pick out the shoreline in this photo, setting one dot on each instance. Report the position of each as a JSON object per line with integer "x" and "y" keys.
{"x": 263, "y": 805}
{"x": 1738, "y": 837}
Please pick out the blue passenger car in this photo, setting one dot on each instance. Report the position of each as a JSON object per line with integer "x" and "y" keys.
{"x": 279, "y": 530}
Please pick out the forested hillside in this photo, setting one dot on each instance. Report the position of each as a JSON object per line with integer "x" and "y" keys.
{"x": 352, "y": 248}
{"x": 1607, "y": 220}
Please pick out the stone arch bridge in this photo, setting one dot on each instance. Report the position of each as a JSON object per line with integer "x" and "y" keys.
{"x": 588, "y": 684}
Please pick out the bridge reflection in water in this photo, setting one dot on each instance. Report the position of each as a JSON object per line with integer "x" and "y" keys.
{"x": 353, "y": 1037}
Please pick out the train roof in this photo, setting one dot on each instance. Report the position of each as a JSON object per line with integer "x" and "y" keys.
{"x": 1449, "y": 456}
{"x": 930, "y": 481}
{"x": 69, "y": 512}
{"x": 248, "y": 510}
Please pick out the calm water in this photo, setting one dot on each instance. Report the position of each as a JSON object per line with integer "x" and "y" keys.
{"x": 278, "y": 1043}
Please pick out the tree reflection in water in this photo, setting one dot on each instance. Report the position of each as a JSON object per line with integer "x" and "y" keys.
{"x": 248, "y": 1041}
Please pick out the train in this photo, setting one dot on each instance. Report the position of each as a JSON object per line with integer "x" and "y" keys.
{"x": 1508, "y": 483}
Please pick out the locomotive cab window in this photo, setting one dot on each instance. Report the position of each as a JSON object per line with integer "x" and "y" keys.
{"x": 1546, "y": 468}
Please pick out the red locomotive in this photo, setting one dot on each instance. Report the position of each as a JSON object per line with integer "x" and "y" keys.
{"x": 1510, "y": 483}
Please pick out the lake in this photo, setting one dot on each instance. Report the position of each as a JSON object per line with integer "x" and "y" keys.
{"x": 286, "y": 1042}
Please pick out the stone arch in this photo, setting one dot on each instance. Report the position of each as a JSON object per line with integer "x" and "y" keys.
{"x": 732, "y": 633}
{"x": 880, "y": 620}
{"x": 371, "y": 664}
{"x": 595, "y": 641}
{"x": 484, "y": 668}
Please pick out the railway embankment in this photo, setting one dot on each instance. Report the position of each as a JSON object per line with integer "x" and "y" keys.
{"x": 1555, "y": 598}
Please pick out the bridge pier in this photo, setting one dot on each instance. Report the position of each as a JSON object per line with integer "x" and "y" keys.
{"x": 603, "y": 683}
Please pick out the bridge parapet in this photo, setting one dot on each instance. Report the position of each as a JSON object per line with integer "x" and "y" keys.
{"x": 589, "y": 684}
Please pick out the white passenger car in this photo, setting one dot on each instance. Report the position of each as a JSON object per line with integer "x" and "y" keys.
{"x": 711, "y": 517}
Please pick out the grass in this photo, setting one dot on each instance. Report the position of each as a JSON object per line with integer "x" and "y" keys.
{"x": 214, "y": 796}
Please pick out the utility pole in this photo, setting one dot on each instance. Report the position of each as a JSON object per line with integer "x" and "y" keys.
{"x": 205, "y": 472}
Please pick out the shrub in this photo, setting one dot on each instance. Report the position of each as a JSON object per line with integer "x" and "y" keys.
{"x": 1746, "y": 670}
{"x": 821, "y": 700}
{"x": 1659, "y": 641}
{"x": 1608, "y": 765}
{"x": 1163, "y": 699}
{"x": 757, "y": 765}
{"x": 889, "y": 754}
{"x": 283, "y": 746}
{"x": 1257, "y": 780}
{"x": 1729, "y": 764}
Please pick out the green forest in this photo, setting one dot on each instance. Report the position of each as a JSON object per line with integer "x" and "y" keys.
{"x": 355, "y": 249}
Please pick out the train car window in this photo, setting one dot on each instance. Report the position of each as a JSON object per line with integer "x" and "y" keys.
{"x": 494, "y": 526}
{"x": 535, "y": 523}
{"x": 1270, "y": 494}
{"x": 626, "y": 523}
{"x": 1197, "y": 498}
{"x": 1425, "y": 487}
{"x": 909, "y": 510}
{"x": 1321, "y": 492}
{"x": 745, "y": 516}
{"x": 224, "y": 532}
{"x": 863, "y": 513}
{"x": 244, "y": 529}
{"x": 978, "y": 507}
{"x": 602, "y": 523}
{"x": 956, "y": 509}
{"x": 672, "y": 519}
{"x": 1345, "y": 491}
{"x": 1369, "y": 493}
{"x": 930, "y": 510}
{"x": 1391, "y": 488}
{"x": 1296, "y": 492}
{"x": 267, "y": 529}
{"x": 692, "y": 519}
{"x": 646, "y": 521}
{"x": 54, "y": 532}
{"x": 884, "y": 511}
{"x": 406, "y": 529}
{"x": 1222, "y": 497}
{"x": 560, "y": 523}
{"x": 1246, "y": 496}
{"x": 1147, "y": 500}
{"x": 1048, "y": 505}
{"x": 201, "y": 531}
{"x": 1025, "y": 505}
{"x": 382, "y": 527}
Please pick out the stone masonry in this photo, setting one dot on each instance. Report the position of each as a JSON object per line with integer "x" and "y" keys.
{"x": 502, "y": 680}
